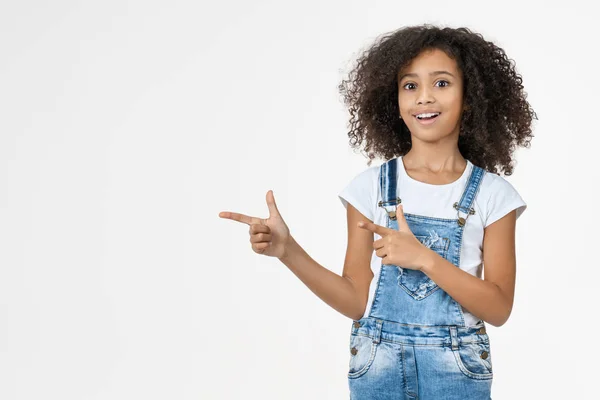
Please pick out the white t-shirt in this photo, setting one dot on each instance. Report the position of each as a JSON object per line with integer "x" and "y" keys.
{"x": 496, "y": 198}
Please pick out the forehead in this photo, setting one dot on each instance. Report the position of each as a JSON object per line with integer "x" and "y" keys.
{"x": 430, "y": 60}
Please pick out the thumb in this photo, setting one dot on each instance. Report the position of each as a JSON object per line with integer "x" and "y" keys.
{"x": 402, "y": 224}
{"x": 273, "y": 211}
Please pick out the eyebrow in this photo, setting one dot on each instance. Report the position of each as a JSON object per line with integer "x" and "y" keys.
{"x": 430, "y": 74}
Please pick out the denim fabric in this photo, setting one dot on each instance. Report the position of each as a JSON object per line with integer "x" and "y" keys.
{"x": 414, "y": 344}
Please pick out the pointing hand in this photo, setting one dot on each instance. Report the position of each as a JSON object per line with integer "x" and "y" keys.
{"x": 268, "y": 236}
{"x": 398, "y": 247}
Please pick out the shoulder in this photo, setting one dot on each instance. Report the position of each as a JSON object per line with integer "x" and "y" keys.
{"x": 368, "y": 174}
{"x": 361, "y": 191}
{"x": 492, "y": 182}
{"x": 497, "y": 196}
{"x": 494, "y": 185}
{"x": 365, "y": 179}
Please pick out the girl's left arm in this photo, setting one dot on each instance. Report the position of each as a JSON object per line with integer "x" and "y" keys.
{"x": 491, "y": 298}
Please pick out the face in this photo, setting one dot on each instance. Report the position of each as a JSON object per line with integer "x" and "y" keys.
{"x": 431, "y": 83}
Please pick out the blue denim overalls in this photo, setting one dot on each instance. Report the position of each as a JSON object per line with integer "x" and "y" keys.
{"x": 414, "y": 343}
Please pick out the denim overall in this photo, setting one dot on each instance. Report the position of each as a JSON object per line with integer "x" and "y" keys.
{"x": 414, "y": 343}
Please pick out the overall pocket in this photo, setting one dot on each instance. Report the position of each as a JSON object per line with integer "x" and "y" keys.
{"x": 416, "y": 283}
{"x": 362, "y": 354}
{"x": 475, "y": 360}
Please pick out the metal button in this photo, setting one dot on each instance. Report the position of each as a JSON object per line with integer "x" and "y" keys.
{"x": 461, "y": 221}
{"x": 357, "y": 324}
{"x": 484, "y": 354}
{"x": 353, "y": 351}
{"x": 481, "y": 331}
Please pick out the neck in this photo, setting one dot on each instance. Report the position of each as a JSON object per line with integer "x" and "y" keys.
{"x": 435, "y": 157}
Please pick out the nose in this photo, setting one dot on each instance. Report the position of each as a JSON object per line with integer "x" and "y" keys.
{"x": 425, "y": 95}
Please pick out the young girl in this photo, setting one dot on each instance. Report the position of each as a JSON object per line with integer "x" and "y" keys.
{"x": 446, "y": 109}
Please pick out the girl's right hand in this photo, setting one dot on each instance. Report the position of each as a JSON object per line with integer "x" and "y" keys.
{"x": 270, "y": 236}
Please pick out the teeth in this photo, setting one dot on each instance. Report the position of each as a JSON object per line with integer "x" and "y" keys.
{"x": 427, "y": 115}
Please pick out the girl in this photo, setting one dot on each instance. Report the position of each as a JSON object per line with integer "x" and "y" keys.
{"x": 446, "y": 109}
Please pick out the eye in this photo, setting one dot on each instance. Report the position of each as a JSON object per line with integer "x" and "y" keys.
{"x": 406, "y": 84}
{"x": 446, "y": 82}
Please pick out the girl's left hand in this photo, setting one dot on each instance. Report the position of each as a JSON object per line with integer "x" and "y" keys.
{"x": 398, "y": 247}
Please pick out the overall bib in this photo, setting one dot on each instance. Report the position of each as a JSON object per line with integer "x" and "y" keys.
{"x": 414, "y": 343}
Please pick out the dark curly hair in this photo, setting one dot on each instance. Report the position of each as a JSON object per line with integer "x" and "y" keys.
{"x": 498, "y": 117}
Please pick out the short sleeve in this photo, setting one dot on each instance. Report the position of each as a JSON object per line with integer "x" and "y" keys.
{"x": 503, "y": 199}
{"x": 361, "y": 192}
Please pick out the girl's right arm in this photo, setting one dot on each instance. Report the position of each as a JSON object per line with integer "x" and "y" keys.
{"x": 348, "y": 293}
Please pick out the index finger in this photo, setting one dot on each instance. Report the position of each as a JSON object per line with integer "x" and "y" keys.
{"x": 378, "y": 229}
{"x": 240, "y": 217}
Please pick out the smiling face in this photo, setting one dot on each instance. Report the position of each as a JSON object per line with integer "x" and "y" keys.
{"x": 431, "y": 83}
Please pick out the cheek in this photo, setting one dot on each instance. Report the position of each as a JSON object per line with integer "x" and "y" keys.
{"x": 455, "y": 99}
{"x": 404, "y": 103}
{"x": 451, "y": 103}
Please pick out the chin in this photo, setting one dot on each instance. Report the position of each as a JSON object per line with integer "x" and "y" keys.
{"x": 428, "y": 136}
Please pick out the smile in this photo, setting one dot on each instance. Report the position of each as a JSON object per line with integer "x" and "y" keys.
{"x": 427, "y": 118}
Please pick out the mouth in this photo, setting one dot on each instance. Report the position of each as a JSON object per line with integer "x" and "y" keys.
{"x": 427, "y": 118}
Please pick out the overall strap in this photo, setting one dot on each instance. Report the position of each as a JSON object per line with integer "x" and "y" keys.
{"x": 388, "y": 178}
{"x": 469, "y": 194}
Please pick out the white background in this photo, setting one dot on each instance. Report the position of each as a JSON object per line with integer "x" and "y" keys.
{"x": 127, "y": 126}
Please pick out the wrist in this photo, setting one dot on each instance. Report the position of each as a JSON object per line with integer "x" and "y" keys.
{"x": 288, "y": 249}
{"x": 427, "y": 261}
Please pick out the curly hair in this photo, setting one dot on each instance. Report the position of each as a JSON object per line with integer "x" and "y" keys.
{"x": 498, "y": 117}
